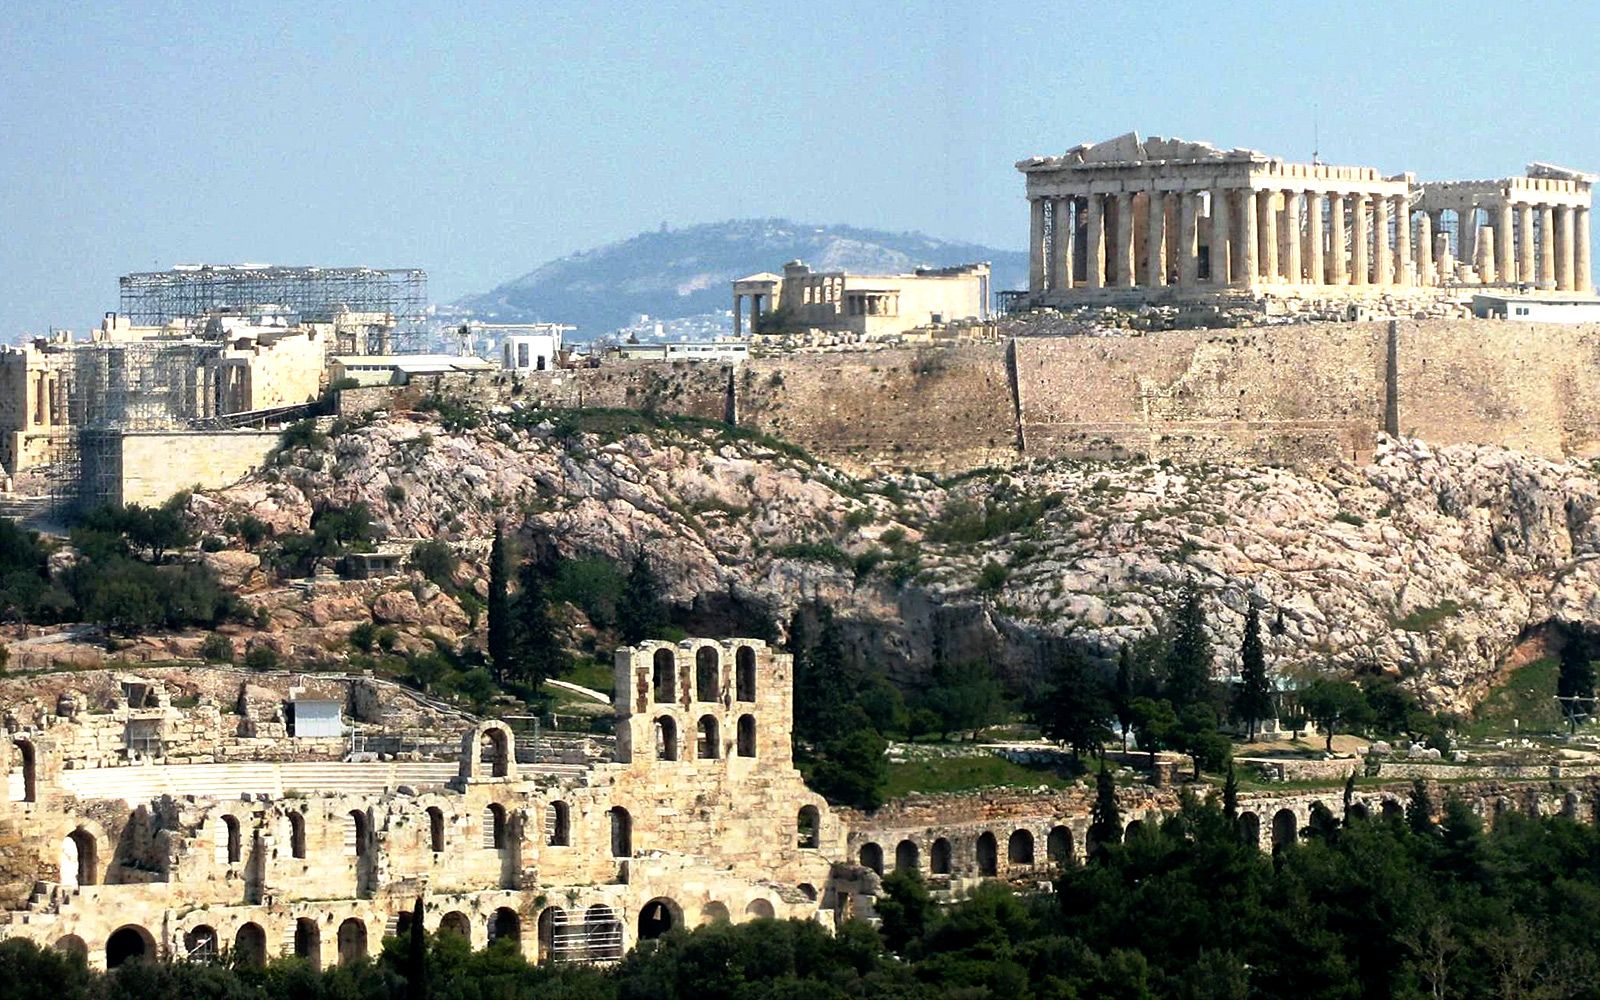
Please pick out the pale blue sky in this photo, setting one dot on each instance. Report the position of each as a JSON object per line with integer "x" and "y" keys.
{"x": 478, "y": 140}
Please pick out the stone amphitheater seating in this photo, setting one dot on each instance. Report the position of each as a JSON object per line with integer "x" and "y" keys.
{"x": 227, "y": 781}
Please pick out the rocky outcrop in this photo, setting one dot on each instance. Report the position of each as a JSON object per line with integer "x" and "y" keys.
{"x": 1430, "y": 562}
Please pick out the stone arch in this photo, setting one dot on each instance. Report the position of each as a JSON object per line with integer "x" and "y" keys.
{"x": 1019, "y": 848}
{"x": 505, "y": 923}
{"x": 708, "y": 740}
{"x": 250, "y": 945}
{"x": 662, "y": 670}
{"x": 436, "y": 829}
{"x": 1058, "y": 846}
{"x": 602, "y": 933}
{"x": 666, "y": 730}
{"x": 713, "y": 913}
{"x": 297, "y": 834}
{"x": 557, "y": 825}
{"x": 1357, "y": 810}
{"x": 871, "y": 856}
{"x": 707, "y": 673}
{"x": 1284, "y": 828}
{"x": 808, "y": 828}
{"x": 747, "y": 735}
{"x": 308, "y": 941}
{"x": 200, "y": 944}
{"x": 1250, "y": 829}
{"x": 1134, "y": 828}
{"x": 907, "y": 857}
{"x": 233, "y": 839}
{"x": 545, "y": 931}
{"x": 657, "y": 917}
{"x": 744, "y": 673}
{"x": 352, "y": 941}
{"x": 80, "y": 861}
{"x": 988, "y": 854}
{"x": 621, "y": 832}
{"x": 488, "y": 750}
{"x": 402, "y": 925}
{"x": 1392, "y": 810}
{"x": 358, "y": 833}
{"x": 808, "y": 890}
{"x": 456, "y": 922}
{"x": 759, "y": 909}
{"x": 28, "y": 763}
{"x": 72, "y": 945}
{"x": 129, "y": 943}
{"x": 495, "y": 837}
{"x": 939, "y": 857}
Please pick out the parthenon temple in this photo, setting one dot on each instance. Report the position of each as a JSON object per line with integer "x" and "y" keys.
{"x": 1133, "y": 219}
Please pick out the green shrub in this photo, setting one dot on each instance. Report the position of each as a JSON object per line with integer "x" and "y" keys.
{"x": 302, "y": 434}
{"x": 217, "y": 648}
{"x": 1345, "y": 517}
{"x": 436, "y": 561}
{"x": 823, "y": 552}
{"x": 364, "y": 636}
{"x": 992, "y": 577}
{"x": 261, "y": 659}
{"x": 593, "y": 584}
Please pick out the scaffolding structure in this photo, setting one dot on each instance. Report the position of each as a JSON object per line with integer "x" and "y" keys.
{"x": 193, "y": 292}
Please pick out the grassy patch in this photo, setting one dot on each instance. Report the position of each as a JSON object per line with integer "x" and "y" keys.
{"x": 592, "y": 674}
{"x": 1528, "y": 696}
{"x": 960, "y": 774}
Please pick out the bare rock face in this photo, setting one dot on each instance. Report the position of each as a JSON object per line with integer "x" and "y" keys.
{"x": 1428, "y": 562}
{"x": 232, "y": 567}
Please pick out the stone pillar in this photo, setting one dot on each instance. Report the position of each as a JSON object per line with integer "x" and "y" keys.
{"x": 1467, "y": 234}
{"x": 1425, "y": 275}
{"x": 1338, "y": 271}
{"x": 1360, "y": 240}
{"x": 1269, "y": 235}
{"x": 1061, "y": 245}
{"x": 1382, "y": 259}
{"x": 1095, "y": 268}
{"x": 1582, "y": 278}
{"x": 1035, "y": 246}
{"x": 1402, "y": 240}
{"x": 1316, "y": 272}
{"x": 1547, "y": 247}
{"x": 1564, "y": 254}
{"x": 1444, "y": 264}
{"x": 1188, "y": 258}
{"x": 1505, "y": 258}
{"x": 1125, "y": 248}
{"x": 1155, "y": 239}
{"x": 738, "y": 319}
{"x": 755, "y": 313}
{"x": 1527, "y": 259}
{"x": 1293, "y": 236}
{"x": 1484, "y": 265}
{"x": 1247, "y": 273}
{"x": 1172, "y": 214}
{"x": 1219, "y": 237}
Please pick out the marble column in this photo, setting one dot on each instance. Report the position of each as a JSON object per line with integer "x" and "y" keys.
{"x": 1036, "y": 246}
{"x": 1360, "y": 241}
{"x": 1467, "y": 234}
{"x": 1547, "y": 247}
{"x": 1188, "y": 258}
{"x": 1246, "y": 272}
{"x": 1293, "y": 236}
{"x": 1382, "y": 259}
{"x": 1564, "y": 254}
{"x": 1443, "y": 264}
{"x": 1316, "y": 272}
{"x": 1338, "y": 271}
{"x": 1582, "y": 279}
{"x": 1061, "y": 245}
{"x": 738, "y": 318}
{"x": 1268, "y": 212}
{"x": 1155, "y": 239}
{"x": 1095, "y": 267}
{"x": 1125, "y": 251}
{"x": 1505, "y": 259}
{"x": 1402, "y": 240}
{"x": 1425, "y": 275}
{"x": 1485, "y": 264}
{"x": 1219, "y": 237}
{"x": 1527, "y": 260}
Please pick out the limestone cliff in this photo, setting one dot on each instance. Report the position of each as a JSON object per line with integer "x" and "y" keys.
{"x": 1437, "y": 562}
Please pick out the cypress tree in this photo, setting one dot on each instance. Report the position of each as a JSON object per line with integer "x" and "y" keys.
{"x": 1419, "y": 809}
{"x": 1122, "y": 697}
{"x": 640, "y": 614}
{"x": 417, "y": 957}
{"x": 1254, "y": 701}
{"x": 1575, "y": 683}
{"x": 1189, "y": 659}
{"x": 1105, "y": 820}
{"x": 500, "y": 634}
{"x": 537, "y": 655}
{"x": 1230, "y": 795}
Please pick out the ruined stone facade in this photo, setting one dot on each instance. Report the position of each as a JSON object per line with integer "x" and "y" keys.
{"x": 1135, "y": 220}
{"x": 870, "y": 305}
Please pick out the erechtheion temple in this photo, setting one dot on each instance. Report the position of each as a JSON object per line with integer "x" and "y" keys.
{"x": 1133, "y": 219}
{"x": 871, "y": 305}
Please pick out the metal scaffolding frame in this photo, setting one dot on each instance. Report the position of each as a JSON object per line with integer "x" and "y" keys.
{"x": 314, "y": 294}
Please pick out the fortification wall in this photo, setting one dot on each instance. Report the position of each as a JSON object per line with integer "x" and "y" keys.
{"x": 930, "y": 409}
{"x": 157, "y": 464}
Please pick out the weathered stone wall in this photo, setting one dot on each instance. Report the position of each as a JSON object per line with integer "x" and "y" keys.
{"x": 156, "y": 464}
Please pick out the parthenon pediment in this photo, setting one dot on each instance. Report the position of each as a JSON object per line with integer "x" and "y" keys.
{"x": 1129, "y": 148}
{"x": 1553, "y": 172}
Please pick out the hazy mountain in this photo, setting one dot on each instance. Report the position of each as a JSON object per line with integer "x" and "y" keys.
{"x": 673, "y": 273}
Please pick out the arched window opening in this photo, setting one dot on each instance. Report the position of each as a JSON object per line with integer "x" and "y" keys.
{"x": 235, "y": 841}
{"x": 707, "y": 742}
{"x": 352, "y": 941}
{"x": 1019, "y": 848}
{"x": 707, "y": 667}
{"x": 1134, "y": 828}
{"x": 250, "y": 945}
{"x": 658, "y": 916}
{"x": 808, "y": 828}
{"x": 436, "y": 829}
{"x": 602, "y": 934}
{"x": 1250, "y": 829}
{"x": 1284, "y": 829}
{"x": 494, "y": 749}
{"x": 907, "y": 858}
{"x": 79, "y": 863}
{"x": 73, "y": 945}
{"x": 744, "y": 670}
{"x": 871, "y": 856}
{"x": 308, "y": 941}
{"x": 621, "y": 832}
{"x": 666, "y": 738}
{"x": 506, "y": 925}
{"x": 1392, "y": 810}
{"x": 713, "y": 913}
{"x": 26, "y": 789}
{"x": 1058, "y": 845}
{"x": 988, "y": 854}
{"x": 129, "y": 944}
{"x": 297, "y": 835}
{"x": 356, "y": 834}
{"x": 759, "y": 909}
{"x": 557, "y": 826}
{"x": 747, "y": 736}
{"x": 545, "y": 931}
{"x": 494, "y": 827}
{"x": 200, "y": 944}
{"x": 939, "y": 857}
{"x": 661, "y": 677}
{"x": 455, "y": 922}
